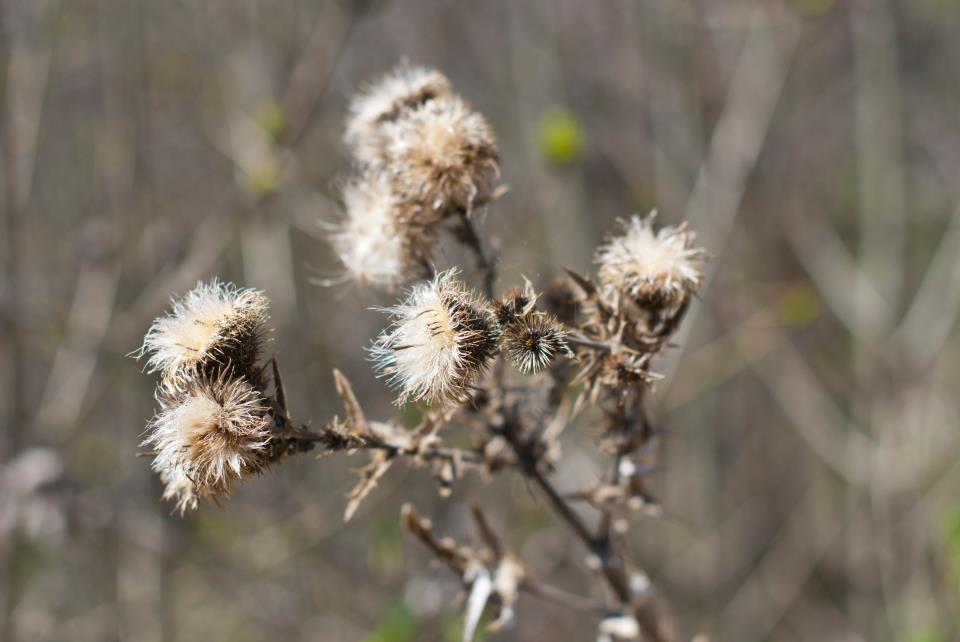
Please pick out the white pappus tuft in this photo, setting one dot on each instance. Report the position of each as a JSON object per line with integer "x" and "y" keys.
{"x": 386, "y": 100}
{"x": 658, "y": 269}
{"x": 378, "y": 241}
{"x": 212, "y": 326}
{"x": 442, "y": 338}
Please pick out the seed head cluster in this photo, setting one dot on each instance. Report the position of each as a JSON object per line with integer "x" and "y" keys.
{"x": 212, "y": 428}
{"x": 443, "y": 337}
{"x": 655, "y": 269}
{"x": 421, "y": 154}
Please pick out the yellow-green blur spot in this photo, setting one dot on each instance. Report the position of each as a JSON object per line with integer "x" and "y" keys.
{"x": 561, "y": 136}
{"x": 264, "y": 180}
{"x": 397, "y": 625}
{"x": 799, "y": 305}
{"x": 271, "y": 120}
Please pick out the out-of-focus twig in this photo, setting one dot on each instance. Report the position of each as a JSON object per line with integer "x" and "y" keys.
{"x": 737, "y": 140}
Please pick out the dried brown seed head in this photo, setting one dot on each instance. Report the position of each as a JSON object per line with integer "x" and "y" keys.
{"x": 443, "y": 155}
{"x": 533, "y": 341}
{"x": 211, "y": 434}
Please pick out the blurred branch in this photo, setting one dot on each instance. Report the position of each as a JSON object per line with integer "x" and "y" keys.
{"x": 25, "y": 69}
{"x": 772, "y": 587}
{"x": 932, "y": 315}
{"x": 879, "y": 146}
{"x": 834, "y": 270}
{"x": 303, "y": 97}
{"x": 737, "y": 140}
{"x": 884, "y": 463}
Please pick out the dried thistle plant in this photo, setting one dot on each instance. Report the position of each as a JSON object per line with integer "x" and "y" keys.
{"x": 655, "y": 269}
{"x": 424, "y": 158}
{"x": 442, "y": 154}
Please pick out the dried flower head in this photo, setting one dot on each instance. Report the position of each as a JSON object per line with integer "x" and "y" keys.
{"x": 625, "y": 369}
{"x": 210, "y": 434}
{"x": 442, "y": 154}
{"x": 378, "y": 240}
{"x": 441, "y": 340}
{"x": 514, "y": 305}
{"x": 214, "y": 327}
{"x": 657, "y": 269}
{"x": 533, "y": 341}
{"x": 386, "y": 100}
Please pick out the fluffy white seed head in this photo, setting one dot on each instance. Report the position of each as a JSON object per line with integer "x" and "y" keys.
{"x": 208, "y": 436}
{"x": 377, "y": 240}
{"x": 386, "y": 100}
{"x": 441, "y": 340}
{"x": 443, "y": 155}
{"x": 657, "y": 269}
{"x": 213, "y": 326}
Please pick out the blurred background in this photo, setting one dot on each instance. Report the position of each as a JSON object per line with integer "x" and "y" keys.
{"x": 809, "y": 478}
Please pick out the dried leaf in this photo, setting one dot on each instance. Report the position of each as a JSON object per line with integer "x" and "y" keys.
{"x": 355, "y": 416}
{"x": 369, "y": 476}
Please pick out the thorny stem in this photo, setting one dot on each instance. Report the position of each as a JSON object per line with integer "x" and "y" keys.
{"x": 447, "y": 551}
{"x": 334, "y": 441}
{"x": 611, "y": 562}
{"x": 601, "y": 546}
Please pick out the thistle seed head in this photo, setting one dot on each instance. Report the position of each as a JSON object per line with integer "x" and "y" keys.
{"x": 378, "y": 240}
{"x": 213, "y": 328}
{"x": 655, "y": 269}
{"x": 533, "y": 341}
{"x": 386, "y": 100}
{"x": 443, "y": 155}
{"x": 211, "y": 433}
{"x": 442, "y": 338}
